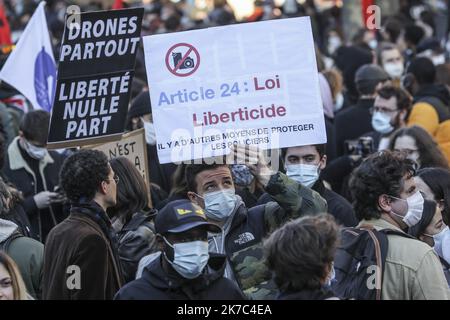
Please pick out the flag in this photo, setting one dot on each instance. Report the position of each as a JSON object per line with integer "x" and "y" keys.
{"x": 5, "y": 31}
{"x": 118, "y": 4}
{"x": 31, "y": 68}
{"x": 364, "y": 5}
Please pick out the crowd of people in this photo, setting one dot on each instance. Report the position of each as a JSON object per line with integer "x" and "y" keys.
{"x": 373, "y": 200}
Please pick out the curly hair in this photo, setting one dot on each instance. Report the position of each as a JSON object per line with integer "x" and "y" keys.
{"x": 82, "y": 173}
{"x": 381, "y": 173}
{"x": 429, "y": 153}
{"x": 301, "y": 252}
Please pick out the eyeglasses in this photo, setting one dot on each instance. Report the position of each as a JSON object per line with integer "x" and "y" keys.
{"x": 408, "y": 152}
{"x": 381, "y": 109}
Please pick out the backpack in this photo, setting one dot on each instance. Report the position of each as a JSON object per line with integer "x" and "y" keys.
{"x": 4, "y": 245}
{"x": 359, "y": 262}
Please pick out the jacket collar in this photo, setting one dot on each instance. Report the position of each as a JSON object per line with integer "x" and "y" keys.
{"x": 379, "y": 224}
{"x": 16, "y": 161}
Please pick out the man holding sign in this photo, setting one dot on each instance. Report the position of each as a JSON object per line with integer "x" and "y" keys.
{"x": 211, "y": 187}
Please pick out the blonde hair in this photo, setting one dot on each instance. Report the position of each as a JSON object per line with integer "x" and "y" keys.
{"x": 19, "y": 289}
{"x": 335, "y": 81}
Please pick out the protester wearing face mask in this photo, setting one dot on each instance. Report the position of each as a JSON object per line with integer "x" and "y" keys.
{"x": 304, "y": 165}
{"x": 356, "y": 120}
{"x": 392, "y": 61}
{"x": 389, "y": 113}
{"x": 34, "y": 171}
{"x": 140, "y": 116}
{"x": 185, "y": 269}
{"x": 434, "y": 183}
{"x": 386, "y": 197}
{"x": 430, "y": 106}
{"x": 418, "y": 146}
{"x": 432, "y": 230}
{"x": 211, "y": 186}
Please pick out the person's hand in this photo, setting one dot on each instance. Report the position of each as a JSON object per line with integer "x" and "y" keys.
{"x": 44, "y": 198}
{"x": 254, "y": 159}
{"x": 58, "y": 198}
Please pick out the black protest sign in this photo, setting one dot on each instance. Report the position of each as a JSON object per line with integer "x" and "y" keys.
{"x": 89, "y": 108}
{"x": 93, "y": 90}
{"x": 100, "y": 42}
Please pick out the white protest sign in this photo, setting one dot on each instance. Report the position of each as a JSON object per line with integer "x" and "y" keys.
{"x": 254, "y": 84}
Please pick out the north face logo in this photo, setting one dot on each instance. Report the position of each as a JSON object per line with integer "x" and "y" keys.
{"x": 244, "y": 238}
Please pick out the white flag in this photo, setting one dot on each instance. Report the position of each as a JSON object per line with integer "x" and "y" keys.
{"x": 31, "y": 67}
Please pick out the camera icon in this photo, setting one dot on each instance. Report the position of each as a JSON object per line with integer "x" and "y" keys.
{"x": 188, "y": 63}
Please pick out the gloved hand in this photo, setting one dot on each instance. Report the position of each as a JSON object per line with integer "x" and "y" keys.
{"x": 44, "y": 198}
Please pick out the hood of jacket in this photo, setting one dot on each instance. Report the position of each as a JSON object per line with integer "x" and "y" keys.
{"x": 158, "y": 278}
{"x": 433, "y": 90}
{"x": 7, "y": 228}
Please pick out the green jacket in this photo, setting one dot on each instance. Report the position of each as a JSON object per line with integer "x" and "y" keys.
{"x": 243, "y": 243}
{"x": 27, "y": 253}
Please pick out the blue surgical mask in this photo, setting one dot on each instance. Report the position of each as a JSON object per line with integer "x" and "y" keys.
{"x": 438, "y": 241}
{"x": 219, "y": 205}
{"x": 304, "y": 174}
{"x": 382, "y": 123}
{"x": 189, "y": 258}
{"x": 37, "y": 153}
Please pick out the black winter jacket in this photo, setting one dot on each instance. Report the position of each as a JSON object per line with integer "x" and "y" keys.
{"x": 156, "y": 284}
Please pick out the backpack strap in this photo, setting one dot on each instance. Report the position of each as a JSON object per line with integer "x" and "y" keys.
{"x": 444, "y": 263}
{"x": 4, "y": 245}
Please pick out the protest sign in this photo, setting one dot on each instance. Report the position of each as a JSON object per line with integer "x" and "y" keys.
{"x": 253, "y": 84}
{"x": 95, "y": 74}
{"x": 133, "y": 147}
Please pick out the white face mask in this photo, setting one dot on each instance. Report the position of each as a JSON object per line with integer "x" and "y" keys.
{"x": 219, "y": 205}
{"x": 334, "y": 43}
{"x": 381, "y": 122}
{"x": 190, "y": 258}
{"x": 150, "y": 134}
{"x": 304, "y": 174}
{"x": 339, "y": 102}
{"x": 37, "y": 153}
{"x": 394, "y": 70}
{"x": 373, "y": 44}
{"x": 437, "y": 60}
{"x": 415, "y": 209}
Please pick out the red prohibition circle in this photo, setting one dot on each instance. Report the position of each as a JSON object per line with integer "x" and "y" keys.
{"x": 191, "y": 48}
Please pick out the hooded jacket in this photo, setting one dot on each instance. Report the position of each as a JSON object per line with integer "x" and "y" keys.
{"x": 157, "y": 284}
{"x": 27, "y": 253}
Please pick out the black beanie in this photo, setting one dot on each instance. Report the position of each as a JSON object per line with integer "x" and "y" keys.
{"x": 140, "y": 105}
